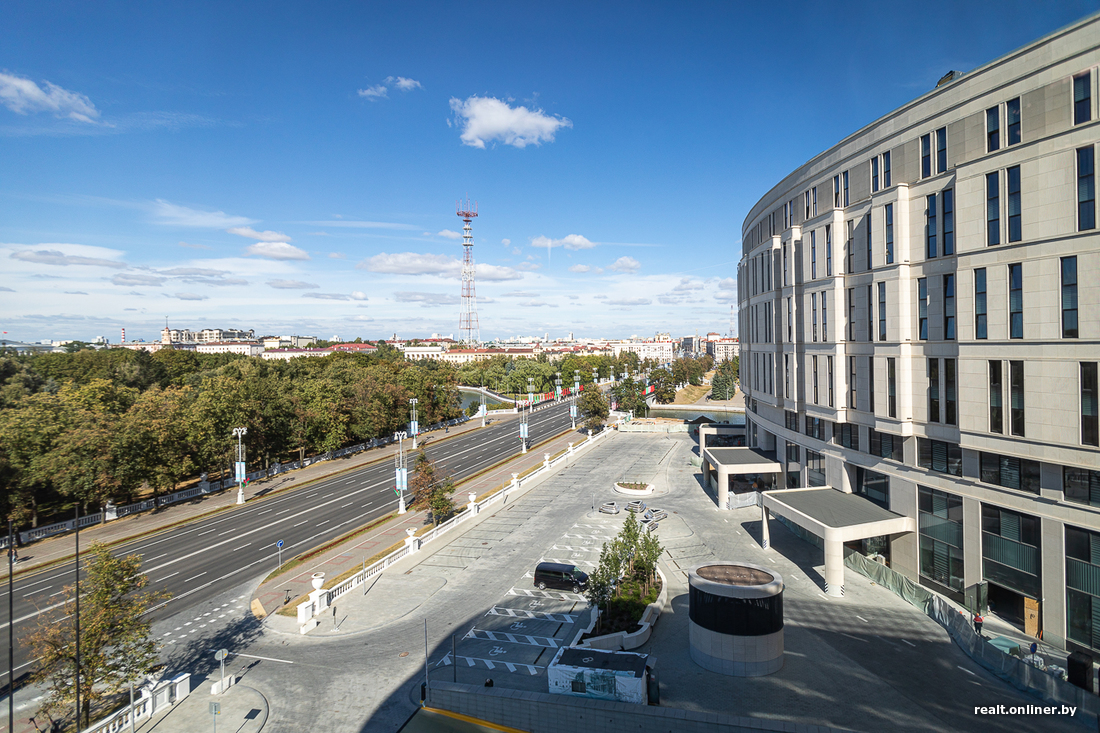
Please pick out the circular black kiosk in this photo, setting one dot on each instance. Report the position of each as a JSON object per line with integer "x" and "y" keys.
{"x": 736, "y": 618}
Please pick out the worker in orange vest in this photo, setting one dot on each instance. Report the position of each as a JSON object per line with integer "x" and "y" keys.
{"x": 978, "y": 621}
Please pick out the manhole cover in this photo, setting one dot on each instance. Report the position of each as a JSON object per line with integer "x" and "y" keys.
{"x": 403, "y": 654}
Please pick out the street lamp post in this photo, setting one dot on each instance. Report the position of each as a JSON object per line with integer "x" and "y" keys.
{"x": 413, "y": 425}
{"x": 402, "y": 472}
{"x": 557, "y": 385}
{"x": 240, "y": 433}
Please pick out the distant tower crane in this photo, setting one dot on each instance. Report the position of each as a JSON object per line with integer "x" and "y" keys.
{"x": 467, "y": 320}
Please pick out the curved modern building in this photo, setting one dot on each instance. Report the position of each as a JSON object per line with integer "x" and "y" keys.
{"x": 920, "y": 327}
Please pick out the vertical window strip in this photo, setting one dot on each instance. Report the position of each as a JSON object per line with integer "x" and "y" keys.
{"x": 829, "y": 362}
{"x": 933, "y": 390}
{"x": 1086, "y": 189}
{"x": 870, "y": 260}
{"x": 925, "y": 156}
{"x": 813, "y": 255}
{"x": 993, "y": 208}
{"x": 992, "y": 129}
{"x": 852, "y": 382}
{"x": 948, "y": 198}
{"x": 1016, "y": 397}
{"x": 922, "y": 309}
{"x": 889, "y": 222}
{"x": 871, "y": 384}
{"x": 1015, "y": 301}
{"x": 951, "y": 416}
{"x": 813, "y": 311}
{"x": 1069, "y": 297}
{"x": 930, "y": 226}
{"x": 849, "y": 248}
{"x": 870, "y": 313}
{"x": 1082, "y": 98}
{"x": 882, "y": 311}
{"x": 847, "y": 200}
{"x": 891, "y": 388}
{"x": 941, "y": 150}
{"x": 979, "y": 304}
{"x": 851, "y": 314}
{"x": 996, "y": 395}
{"x": 1090, "y": 416}
{"x": 874, "y": 174}
{"x": 949, "y": 307}
{"x": 1015, "y": 233}
{"x": 824, "y": 317}
{"x": 1012, "y": 120}
{"x": 886, "y": 169}
{"x": 815, "y": 378}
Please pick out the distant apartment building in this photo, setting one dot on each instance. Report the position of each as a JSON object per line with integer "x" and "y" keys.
{"x": 245, "y": 348}
{"x": 661, "y": 351}
{"x": 355, "y": 348}
{"x": 918, "y": 317}
{"x": 723, "y": 349}
{"x": 289, "y": 342}
{"x": 288, "y": 354}
{"x": 205, "y": 336}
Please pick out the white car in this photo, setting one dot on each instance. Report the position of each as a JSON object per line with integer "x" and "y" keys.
{"x": 609, "y": 507}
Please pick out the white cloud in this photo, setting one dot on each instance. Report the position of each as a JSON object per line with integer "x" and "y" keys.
{"x": 626, "y": 265}
{"x": 182, "y": 216}
{"x": 337, "y": 256}
{"x": 75, "y": 292}
{"x": 629, "y": 301}
{"x": 187, "y": 296}
{"x": 6, "y": 289}
{"x": 579, "y": 268}
{"x": 506, "y": 241}
{"x": 496, "y": 273}
{"x": 727, "y": 284}
{"x": 484, "y": 119}
{"x": 412, "y": 263}
{"x": 519, "y": 294}
{"x": 405, "y": 85}
{"x": 517, "y": 251}
{"x": 23, "y": 97}
{"x": 277, "y": 251}
{"x": 133, "y": 278}
{"x": 325, "y": 296}
{"x": 250, "y": 233}
{"x": 374, "y": 93}
{"x": 291, "y": 285}
{"x": 358, "y": 295}
{"x": 348, "y": 224}
{"x": 686, "y": 284}
{"x": 569, "y": 241}
{"x": 426, "y": 298}
{"x": 194, "y": 246}
{"x": 54, "y": 257}
{"x": 192, "y": 272}
{"x": 449, "y": 234}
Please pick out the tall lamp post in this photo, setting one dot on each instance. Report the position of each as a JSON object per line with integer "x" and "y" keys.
{"x": 413, "y": 425}
{"x": 402, "y": 472}
{"x": 240, "y": 433}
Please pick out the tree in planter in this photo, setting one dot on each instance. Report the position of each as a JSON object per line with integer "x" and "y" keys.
{"x": 649, "y": 552}
{"x": 115, "y": 643}
{"x": 601, "y": 583}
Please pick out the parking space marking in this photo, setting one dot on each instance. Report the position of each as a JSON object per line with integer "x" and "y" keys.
{"x": 594, "y": 526}
{"x": 525, "y": 639}
{"x": 576, "y": 548}
{"x": 565, "y": 618}
{"x": 588, "y": 536}
{"x": 571, "y": 561}
{"x": 556, "y": 595}
{"x": 490, "y": 663}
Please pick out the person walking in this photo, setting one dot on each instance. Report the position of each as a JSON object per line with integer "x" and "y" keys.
{"x": 978, "y": 621}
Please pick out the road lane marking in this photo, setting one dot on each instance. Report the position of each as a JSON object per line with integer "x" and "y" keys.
{"x": 242, "y": 547}
{"x": 196, "y": 577}
{"x": 166, "y": 577}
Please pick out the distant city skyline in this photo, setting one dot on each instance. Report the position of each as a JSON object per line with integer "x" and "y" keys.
{"x": 294, "y": 169}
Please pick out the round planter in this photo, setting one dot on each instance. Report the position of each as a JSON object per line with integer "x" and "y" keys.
{"x": 620, "y": 489}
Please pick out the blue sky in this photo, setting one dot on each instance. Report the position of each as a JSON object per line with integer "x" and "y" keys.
{"x": 294, "y": 167}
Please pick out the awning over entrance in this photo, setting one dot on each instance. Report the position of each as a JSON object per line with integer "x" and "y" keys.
{"x": 727, "y": 462}
{"x": 836, "y": 517}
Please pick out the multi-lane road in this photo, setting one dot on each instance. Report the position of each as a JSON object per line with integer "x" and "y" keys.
{"x": 207, "y": 557}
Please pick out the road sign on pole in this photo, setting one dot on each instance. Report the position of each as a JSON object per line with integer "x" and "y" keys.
{"x": 279, "y": 545}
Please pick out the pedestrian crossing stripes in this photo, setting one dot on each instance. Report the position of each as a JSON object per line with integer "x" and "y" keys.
{"x": 526, "y": 639}
{"x": 565, "y": 618}
{"x": 490, "y": 663}
{"x": 556, "y": 595}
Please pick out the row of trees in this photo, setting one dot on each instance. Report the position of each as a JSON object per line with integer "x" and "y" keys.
{"x": 627, "y": 566}
{"x": 723, "y": 384}
{"x": 98, "y": 426}
{"x": 509, "y": 375}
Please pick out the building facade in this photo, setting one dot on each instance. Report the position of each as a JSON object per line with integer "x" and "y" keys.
{"x": 661, "y": 351}
{"x": 245, "y": 348}
{"x": 723, "y": 349}
{"x": 918, "y": 326}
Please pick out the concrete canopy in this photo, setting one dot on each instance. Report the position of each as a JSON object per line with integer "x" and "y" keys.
{"x": 736, "y": 462}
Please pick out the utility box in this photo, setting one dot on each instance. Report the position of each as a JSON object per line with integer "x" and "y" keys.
{"x": 599, "y": 674}
{"x": 1079, "y": 670}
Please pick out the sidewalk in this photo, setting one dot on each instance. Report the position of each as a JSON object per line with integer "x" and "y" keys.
{"x": 275, "y": 593}
{"x": 60, "y": 547}
{"x": 243, "y": 710}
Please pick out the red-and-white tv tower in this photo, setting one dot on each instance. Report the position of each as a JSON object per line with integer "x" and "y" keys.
{"x": 467, "y": 320}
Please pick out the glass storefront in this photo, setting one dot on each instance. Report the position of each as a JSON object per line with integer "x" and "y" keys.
{"x": 940, "y": 524}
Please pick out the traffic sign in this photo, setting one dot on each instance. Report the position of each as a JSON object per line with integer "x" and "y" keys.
{"x": 221, "y": 654}
{"x": 279, "y": 544}
{"x": 215, "y": 708}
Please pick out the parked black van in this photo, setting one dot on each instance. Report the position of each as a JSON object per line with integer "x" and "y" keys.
{"x": 561, "y": 576}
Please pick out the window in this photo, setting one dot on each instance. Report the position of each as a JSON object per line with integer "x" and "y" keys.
{"x": 836, "y": 192}
{"x": 951, "y": 416}
{"x": 882, "y": 311}
{"x": 1010, "y": 472}
{"x": 847, "y": 435}
{"x": 925, "y": 156}
{"x": 1015, "y": 234}
{"x": 786, "y": 282}
{"x": 849, "y": 248}
{"x": 1016, "y": 397}
{"x": 886, "y": 169}
{"x": 870, "y": 261}
{"x": 1086, "y": 189}
{"x": 992, "y": 208}
{"x": 847, "y": 201}
{"x": 1010, "y": 550}
{"x": 930, "y": 226}
{"x": 891, "y": 388}
{"x": 1081, "y": 486}
{"x": 852, "y": 383}
{"x": 871, "y": 384}
{"x": 1090, "y": 434}
{"x": 949, "y": 307}
{"x": 996, "y": 395}
{"x": 793, "y": 458}
{"x": 813, "y": 311}
{"x": 829, "y": 362}
{"x": 1016, "y": 301}
{"x": 933, "y": 390}
{"x": 790, "y": 323}
{"x": 851, "y": 314}
{"x": 1012, "y": 129}
{"x": 938, "y": 455}
{"x": 885, "y": 445}
{"x": 1082, "y": 98}
{"x": 870, "y": 313}
{"x": 828, "y": 251}
{"x": 948, "y": 197}
{"x": 815, "y": 427}
{"x": 806, "y": 201}
{"x": 874, "y": 175}
{"x": 824, "y": 317}
{"x": 815, "y": 378}
{"x": 992, "y": 129}
{"x": 1082, "y": 601}
{"x": 941, "y": 147}
{"x": 873, "y": 487}
{"x": 815, "y": 469}
{"x": 814, "y": 191}
{"x": 922, "y": 309}
{"x": 1069, "y": 297}
{"x": 787, "y": 377}
{"x": 790, "y": 420}
{"x": 940, "y": 523}
{"x": 979, "y": 304}
{"x": 889, "y": 208}
{"x": 813, "y": 255}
